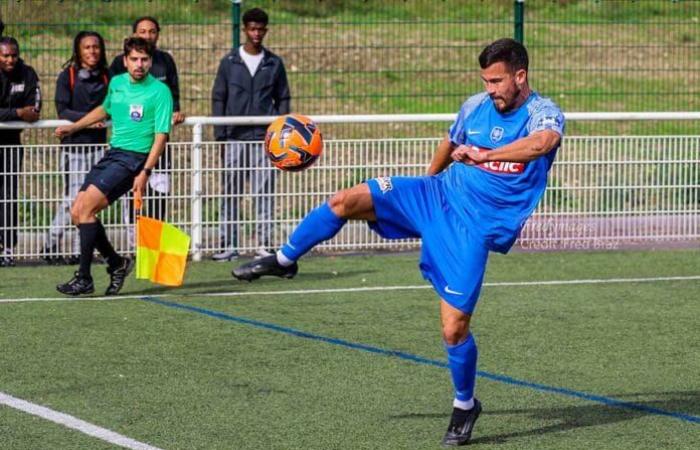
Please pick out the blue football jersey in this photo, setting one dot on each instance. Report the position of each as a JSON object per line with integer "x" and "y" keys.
{"x": 496, "y": 198}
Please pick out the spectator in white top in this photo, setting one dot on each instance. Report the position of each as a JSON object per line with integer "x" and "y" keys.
{"x": 251, "y": 81}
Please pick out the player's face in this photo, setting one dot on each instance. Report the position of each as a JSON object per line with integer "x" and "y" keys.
{"x": 255, "y": 32}
{"x": 9, "y": 55}
{"x": 137, "y": 64}
{"x": 503, "y": 85}
{"x": 90, "y": 52}
{"x": 148, "y": 31}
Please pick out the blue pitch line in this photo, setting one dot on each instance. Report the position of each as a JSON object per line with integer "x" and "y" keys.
{"x": 608, "y": 401}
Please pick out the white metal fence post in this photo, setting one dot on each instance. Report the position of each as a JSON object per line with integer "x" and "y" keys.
{"x": 196, "y": 194}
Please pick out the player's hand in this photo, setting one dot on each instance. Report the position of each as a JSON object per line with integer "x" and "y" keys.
{"x": 178, "y": 118}
{"x": 140, "y": 184}
{"x": 63, "y": 131}
{"x": 469, "y": 155}
{"x": 28, "y": 114}
{"x": 477, "y": 155}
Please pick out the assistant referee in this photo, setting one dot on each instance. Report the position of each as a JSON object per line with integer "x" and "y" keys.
{"x": 141, "y": 109}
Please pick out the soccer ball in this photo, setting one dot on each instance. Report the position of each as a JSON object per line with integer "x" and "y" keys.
{"x": 293, "y": 142}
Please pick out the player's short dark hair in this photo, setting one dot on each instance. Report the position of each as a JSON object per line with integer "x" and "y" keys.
{"x": 9, "y": 40}
{"x": 255, "y": 15}
{"x": 136, "y": 23}
{"x": 138, "y": 44}
{"x": 506, "y": 50}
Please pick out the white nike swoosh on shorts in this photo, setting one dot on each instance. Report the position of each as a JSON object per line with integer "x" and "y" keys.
{"x": 450, "y": 291}
{"x": 470, "y": 132}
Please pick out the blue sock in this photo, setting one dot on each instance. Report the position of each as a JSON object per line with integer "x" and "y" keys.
{"x": 462, "y": 362}
{"x": 319, "y": 225}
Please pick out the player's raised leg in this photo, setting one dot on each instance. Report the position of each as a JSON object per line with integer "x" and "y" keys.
{"x": 461, "y": 355}
{"x": 321, "y": 224}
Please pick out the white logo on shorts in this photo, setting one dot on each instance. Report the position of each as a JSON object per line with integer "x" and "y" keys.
{"x": 450, "y": 291}
{"x": 385, "y": 184}
{"x": 136, "y": 112}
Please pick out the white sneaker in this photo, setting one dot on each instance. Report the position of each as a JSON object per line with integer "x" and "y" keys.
{"x": 226, "y": 255}
{"x": 262, "y": 252}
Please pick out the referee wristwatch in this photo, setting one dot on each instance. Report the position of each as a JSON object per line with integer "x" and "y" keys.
{"x": 148, "y": 171}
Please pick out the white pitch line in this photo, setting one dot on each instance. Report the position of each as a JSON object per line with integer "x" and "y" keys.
{"x": 73, "y": 422}
{"x": 356, "y": 289}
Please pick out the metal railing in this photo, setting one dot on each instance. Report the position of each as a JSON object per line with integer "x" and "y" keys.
{"x": 604, "y": 192}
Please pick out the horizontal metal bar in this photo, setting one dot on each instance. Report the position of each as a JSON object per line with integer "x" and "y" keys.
{"x": 384, "y": 118}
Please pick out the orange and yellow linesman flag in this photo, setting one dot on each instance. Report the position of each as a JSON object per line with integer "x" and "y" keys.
{"x": 161, "y": 250}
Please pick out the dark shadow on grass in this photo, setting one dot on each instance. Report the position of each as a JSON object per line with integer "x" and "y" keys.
{"x": 591, "y": 415}
{"x": 232, "y": 285}
{"x": 580, "y": 416}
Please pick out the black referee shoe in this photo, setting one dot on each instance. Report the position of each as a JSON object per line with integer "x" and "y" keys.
{"x": 118, "y": 275}
{"x": 78, "y": 285}
{"x": 461, "y": 425}
{"x": 264, "y": 266}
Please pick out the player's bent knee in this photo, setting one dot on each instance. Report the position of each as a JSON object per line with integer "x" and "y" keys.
{"x": 455, "y": 329}
{"x": 336, "y": 203}
{"x": 75, "y": 211}
{"x": 455, "y": 335}
{"x": 353, "y": 203}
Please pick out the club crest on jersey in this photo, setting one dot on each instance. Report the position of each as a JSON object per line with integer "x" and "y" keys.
{"x": 496, "y": 134}
{"x": 136, "y": 112}
{"x": 384, "y": 184}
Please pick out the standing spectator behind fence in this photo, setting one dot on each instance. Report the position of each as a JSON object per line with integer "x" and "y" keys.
{"x": 20, "y": 99}
{"x": 80, "y": 88}
{"x": 163, "y": 69}
{"x": 251, "y": 81}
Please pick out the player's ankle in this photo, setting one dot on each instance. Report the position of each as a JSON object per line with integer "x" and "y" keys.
{"x": 463, "y": 404}
{"x": 282, "y": 259}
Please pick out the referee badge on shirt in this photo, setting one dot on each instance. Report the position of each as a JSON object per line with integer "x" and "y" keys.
{"x": 136, "y": 112}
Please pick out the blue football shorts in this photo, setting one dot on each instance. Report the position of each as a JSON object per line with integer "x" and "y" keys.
{"x": 453, "y": 259}
{"x": 114, "y": 174}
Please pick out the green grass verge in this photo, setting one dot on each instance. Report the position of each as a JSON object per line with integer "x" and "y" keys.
{"x": 177, "y": 379}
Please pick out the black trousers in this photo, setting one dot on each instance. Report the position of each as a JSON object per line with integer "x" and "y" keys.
{"x": 10, "y": 167}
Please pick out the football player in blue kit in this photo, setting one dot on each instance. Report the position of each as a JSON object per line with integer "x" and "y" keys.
{"x": 485, "y": 179}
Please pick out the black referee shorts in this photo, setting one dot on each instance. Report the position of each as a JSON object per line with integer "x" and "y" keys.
{"x": 114, "y": 174}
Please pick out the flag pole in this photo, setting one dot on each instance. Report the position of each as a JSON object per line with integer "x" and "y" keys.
{"x": 138, "y": 204}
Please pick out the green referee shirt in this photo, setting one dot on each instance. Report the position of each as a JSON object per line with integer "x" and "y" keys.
{"x": 139, "y": 111}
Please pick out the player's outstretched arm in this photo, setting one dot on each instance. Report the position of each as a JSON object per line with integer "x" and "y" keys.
{"x": 523, "y": 150}
{"x": 96, "y": 115}
{"x": 441, "y": 158}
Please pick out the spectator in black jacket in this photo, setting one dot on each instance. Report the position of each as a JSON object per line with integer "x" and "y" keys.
{"x": 20, "y": 99}
{"x": 80, "y": 88}
{"x": 164, "y": 69}
{"x": 251, "y": 81}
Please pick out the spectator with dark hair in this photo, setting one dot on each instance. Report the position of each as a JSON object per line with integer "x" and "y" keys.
{"x": 20, "y": 99}
{"x": 80, "y": 88}
{"x": 163, "y": 69}
{"x": 251, "y": 81}
{"x": 141, "y": 109}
